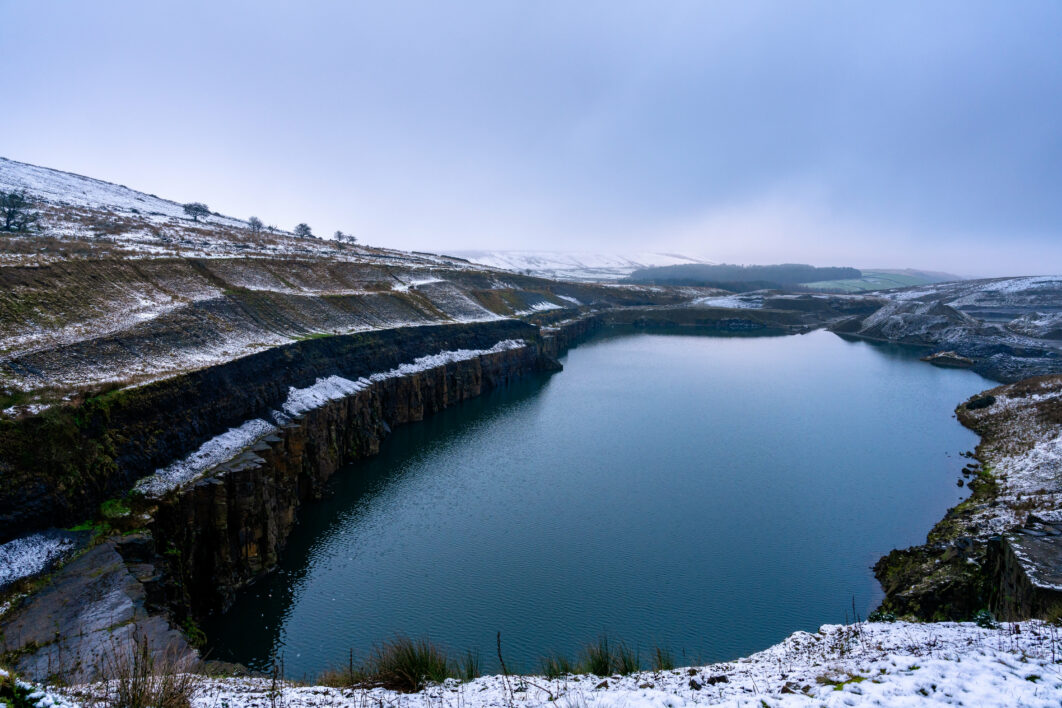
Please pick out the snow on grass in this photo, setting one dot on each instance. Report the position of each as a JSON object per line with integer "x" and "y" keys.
{"x": 1015, "y": 285}
{"x": 887, "y": 664}
{"x": 404, "y": 286}
{"x": 582, "y": 266}
{"x": 36, "y": 696}
{"x": 76, "y": 190}
{"x": 32, "y": 554}
{"x": 542, "y": 306}
{"x": 113, "y": 217}
{"x": 211, "y": 453}
{"x": 299, "y": 401}
{"x": 1023, "y": 453}
{"x": 993, "y": 292}
{"x": 730, "y": 301}
{"x": 454, "y": 303}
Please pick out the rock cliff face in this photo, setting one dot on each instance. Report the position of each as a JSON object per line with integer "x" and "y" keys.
{"x": 91, "y": 611}
{"x": 1025, "y": 565}
{"x": 1001, "y": 548}
{"x": 1008, "y": 328}
{"x": 229, "y": 527}
{"x": 58, "y": 467}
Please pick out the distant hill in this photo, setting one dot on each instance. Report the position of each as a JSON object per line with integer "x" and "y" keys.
{"x": 571, "y": 265}
{"x": 741, "y": 278}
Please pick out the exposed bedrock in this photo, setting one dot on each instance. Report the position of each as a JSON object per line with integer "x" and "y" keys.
{"x": 89, "y": 613}
{"x": 1001, "y": 548}
{"x": 1027, "y": 566}
{"x": 230, "y": 526}
{"x": 563, "y": 334}
{"x": 56, "y": 468}
{"x": 1001, "y": 352}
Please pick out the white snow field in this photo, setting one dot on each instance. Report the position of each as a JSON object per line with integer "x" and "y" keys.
{"x": 866, "y": 664}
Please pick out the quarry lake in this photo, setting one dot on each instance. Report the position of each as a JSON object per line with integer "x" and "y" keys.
{"x": 705, "y": 494}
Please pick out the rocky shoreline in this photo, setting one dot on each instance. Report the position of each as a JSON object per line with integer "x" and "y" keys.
{"x": 186, "y": 553}
{"x": 999, "y": 549}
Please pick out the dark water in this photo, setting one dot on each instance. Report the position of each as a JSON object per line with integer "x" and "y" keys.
{"x": 706, "y": 494}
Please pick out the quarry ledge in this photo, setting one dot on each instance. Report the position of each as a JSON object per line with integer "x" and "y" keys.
{"x": 229, "y": 525}
{"x": 185, "y": 551}
{"x": 226, "y": 527}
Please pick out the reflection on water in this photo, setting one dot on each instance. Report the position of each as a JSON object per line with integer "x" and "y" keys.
{"x": 705, "y": 494}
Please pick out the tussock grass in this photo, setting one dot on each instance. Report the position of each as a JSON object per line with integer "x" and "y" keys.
{"x": 468, "y": 667}
{"x": 403, "y": 664}
{"x": 138, "y": 676}
{"x": 556, "y": 666}
{"x": 663, "y": 660}
{"x": 604, "y": 659}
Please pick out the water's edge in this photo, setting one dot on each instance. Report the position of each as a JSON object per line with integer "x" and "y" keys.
{"x": 210, "y": 539}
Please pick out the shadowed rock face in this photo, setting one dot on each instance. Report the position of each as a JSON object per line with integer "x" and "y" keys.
{"x": 230, "y": 527}
{"x": 1027, "y": 566}
{"x": 1000, "y": 548}
{"x": 87, "y": 616}
{"x": 58, "y": 467}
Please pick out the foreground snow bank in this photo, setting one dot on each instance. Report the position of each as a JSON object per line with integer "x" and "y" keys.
{"x": 898, "y": 664}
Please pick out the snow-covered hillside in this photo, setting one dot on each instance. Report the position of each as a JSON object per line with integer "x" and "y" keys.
{"x": 102, "y": 219}
{"x": 67, "y": 188}
{"x": 574, "y": 265}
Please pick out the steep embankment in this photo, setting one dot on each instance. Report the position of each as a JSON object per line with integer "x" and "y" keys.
{"x": 58, "y": 467}
{"x": 72, "y": 326}
{"x": 118, "y": 287}
{"x": 208, "y": 523}
{"x": 999, "y": 548}
{"x": 1006, "y": 326}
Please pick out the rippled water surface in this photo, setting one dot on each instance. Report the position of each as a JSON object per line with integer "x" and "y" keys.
{"x": 705, "y": 494}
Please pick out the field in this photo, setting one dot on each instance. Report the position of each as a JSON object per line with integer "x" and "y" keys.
{"x": 882, "y": 280}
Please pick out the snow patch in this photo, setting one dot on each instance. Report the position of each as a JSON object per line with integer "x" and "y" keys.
{"x": 581, "y": 266}
{"x": 737, "y": 302}
{"x": 28, "y": 555}
{"x": 403, "y": 287}
{"x": 211, "y": 453}
{"x": 332, "y": 388}
{"x": 538, "y": 307}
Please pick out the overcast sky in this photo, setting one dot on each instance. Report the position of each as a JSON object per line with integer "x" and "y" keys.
{"x": 925, "y": 134}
